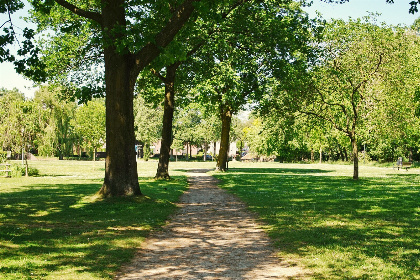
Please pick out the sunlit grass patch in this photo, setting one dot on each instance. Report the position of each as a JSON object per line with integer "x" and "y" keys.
{"x": 337, "y": 227}
{"x": 54, "y": 226}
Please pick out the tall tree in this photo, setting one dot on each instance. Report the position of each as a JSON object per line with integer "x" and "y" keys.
{"x": 187, "y": 44}
{"x": 246, "y": 55}
{"x": 355, "y": 55}
{"x": 129, "y": 36}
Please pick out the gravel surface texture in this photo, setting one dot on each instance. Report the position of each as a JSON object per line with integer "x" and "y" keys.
{"x": 212, "y": 236}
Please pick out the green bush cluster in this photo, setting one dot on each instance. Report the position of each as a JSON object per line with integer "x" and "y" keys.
{"x": 18, "y": 170}
{"x": 3, "y": 156}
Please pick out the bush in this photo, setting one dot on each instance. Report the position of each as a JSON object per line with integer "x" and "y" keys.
{"x": 3, "y": 156}
{"x": 18, "y": 170}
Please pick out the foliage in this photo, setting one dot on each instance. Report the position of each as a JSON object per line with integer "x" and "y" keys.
{"x": 362, "y": 85}
{"x": 3, "y": 156}
{"x": 26, "y": 58}
{"x": 20, "y": 122}
{"x": 187, "y": 123}
{"x": 89, "y": 124}
{"x": 147, "y": 120}
{"x": 8, "y": 99}
{"x": 58, "y": 135}
{"x": 19, "y": 170}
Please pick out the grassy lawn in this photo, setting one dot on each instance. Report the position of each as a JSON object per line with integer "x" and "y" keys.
{"x": 54, "y": 227}
{"x": 336, "y": 227}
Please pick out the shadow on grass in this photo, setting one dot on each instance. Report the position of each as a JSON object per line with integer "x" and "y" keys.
{"x": 49, "y": 229}
{"x": 343, "y": 229}
{"x": 279, "y": 170}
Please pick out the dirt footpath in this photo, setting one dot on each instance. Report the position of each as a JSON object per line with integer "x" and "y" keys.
{"x": 212, "y": 236}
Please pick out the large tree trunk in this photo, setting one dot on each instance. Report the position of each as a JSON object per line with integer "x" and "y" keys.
{"x": 121, "y": 178}
{"x": 355, "y": 158}
{"x": 168, "y": 115}
{"x": 226, "y": 117}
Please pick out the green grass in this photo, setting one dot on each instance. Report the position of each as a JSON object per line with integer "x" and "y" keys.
{"x": 54, "y": 226}
{"x": 336, "y": 227}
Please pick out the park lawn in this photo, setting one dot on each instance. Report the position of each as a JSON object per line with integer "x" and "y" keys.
{"x": 54, "y": 226}
{"x": 334, "y": 226}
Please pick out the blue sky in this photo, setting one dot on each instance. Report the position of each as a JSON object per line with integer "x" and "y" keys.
{"x": 392, "y": 14}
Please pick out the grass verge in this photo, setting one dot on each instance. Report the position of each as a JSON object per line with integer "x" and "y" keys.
{"x": 54, "y": 227}
{"x": 336, "y": 227}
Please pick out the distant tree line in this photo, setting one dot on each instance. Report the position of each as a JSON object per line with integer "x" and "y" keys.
{"x": 308, "y": 81}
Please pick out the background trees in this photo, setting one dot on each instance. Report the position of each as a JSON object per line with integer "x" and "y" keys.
{"x": 58, "y": 135}
{"x": 148, "y": 124}
{"x": 349, "y": 83}
{"x": 361, "y": 81}
{"x": 89, "y": 125}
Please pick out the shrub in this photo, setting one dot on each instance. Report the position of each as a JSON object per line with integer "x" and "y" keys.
{"x": 18, "y": 170}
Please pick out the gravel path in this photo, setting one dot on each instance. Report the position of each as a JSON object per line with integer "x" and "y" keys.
{"x": 212, "y": 236}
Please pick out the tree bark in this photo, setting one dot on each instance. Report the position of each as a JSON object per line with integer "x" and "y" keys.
{"x": 226, "y": 117}
{"x": 355, "y": 158}
{"x": 121, "y": 178}
{"x": 168, "y": 115}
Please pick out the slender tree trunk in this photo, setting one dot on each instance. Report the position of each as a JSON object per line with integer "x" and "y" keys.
{"x": 186, "y": 151}
{"x": 320, "y": 154}
{"x": 121, "y": 178}
{"x": 355, "y": 158}
{"x": 168, "y": 115}
{"x": 340, "y": 152}
{"x": 226, "y": 117}
{"x": 214, "y": 149}
{"x": 205, "y": 151}
{"x": 346, "y": 157}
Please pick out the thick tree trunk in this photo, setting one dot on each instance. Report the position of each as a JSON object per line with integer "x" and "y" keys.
{"x": 355, "y": 158}
{"x": 121, "y": 178}
{"x": 168, "y": 115}
{"x": 226, "y": 117}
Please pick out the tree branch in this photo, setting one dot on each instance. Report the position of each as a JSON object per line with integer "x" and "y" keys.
{"x": 157, "y": 74}
{"x": 152, "y": 49}
{"x": 80, "y": 12}
{"x": 375, "y": 70}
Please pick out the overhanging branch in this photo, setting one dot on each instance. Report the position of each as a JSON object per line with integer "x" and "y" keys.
{"x": 80, "y": 12}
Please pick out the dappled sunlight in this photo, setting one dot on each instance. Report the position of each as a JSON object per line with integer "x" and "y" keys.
{"x": 211, "y": 237}
{"x": 364, "y": 221}
{"x": 64, "y": 230}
